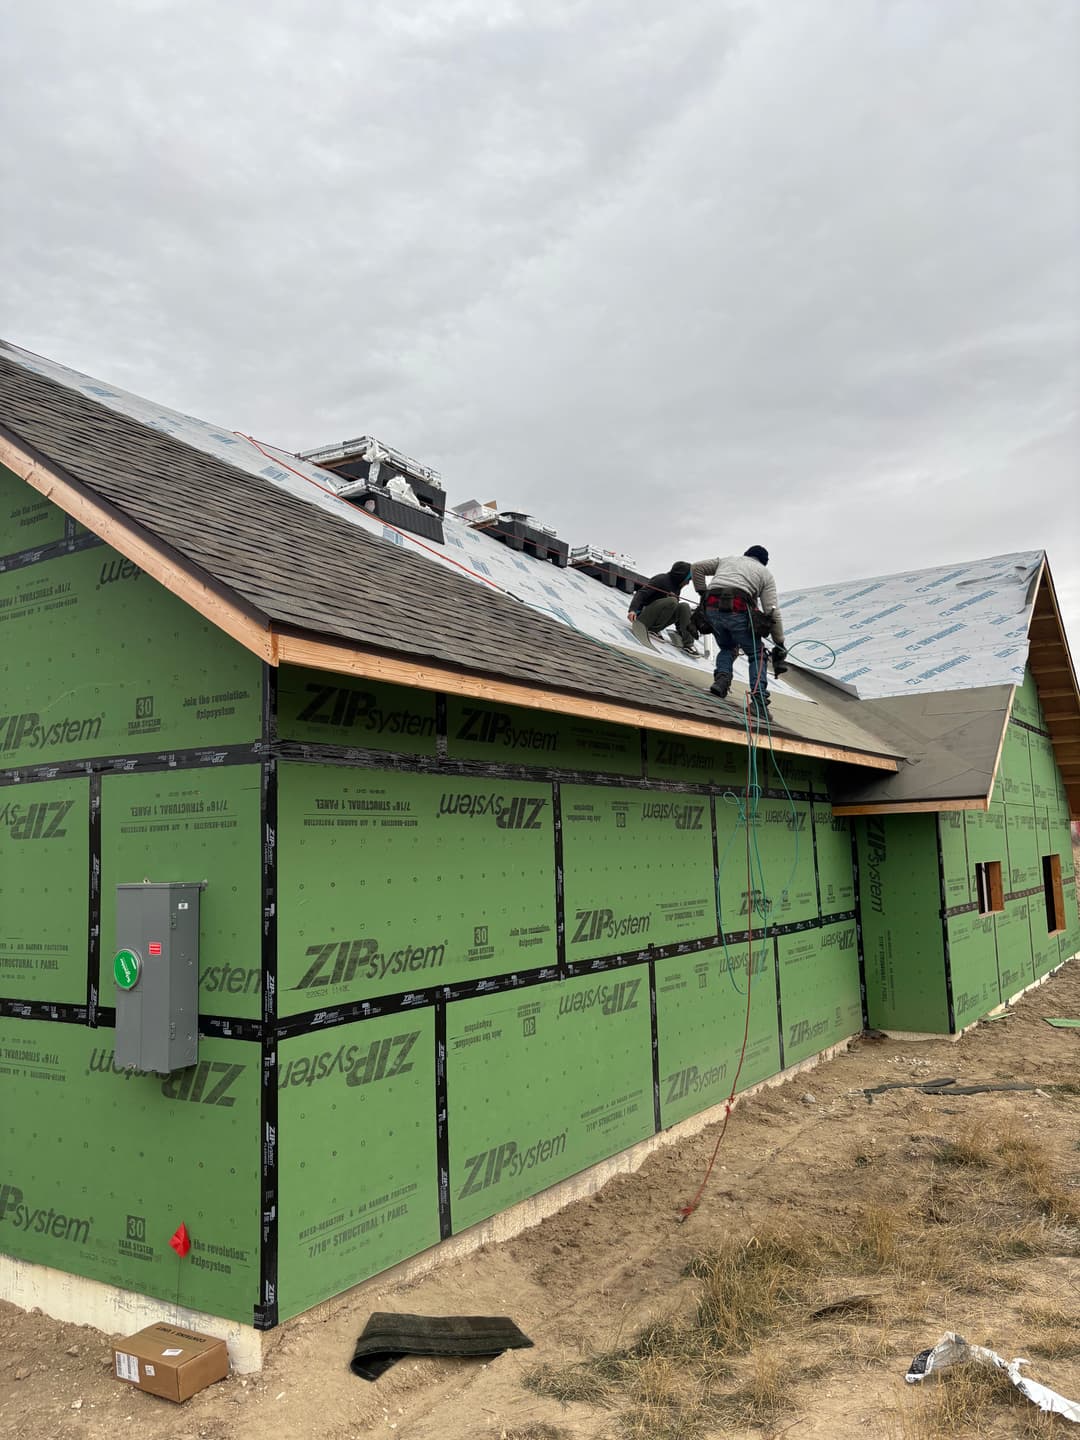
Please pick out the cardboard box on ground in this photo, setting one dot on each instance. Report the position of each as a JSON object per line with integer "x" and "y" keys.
{"x": 169, "y": 1361}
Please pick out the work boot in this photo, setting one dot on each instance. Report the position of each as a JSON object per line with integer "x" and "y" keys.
{"x": 691, "y": 649}
{"x": 720, "y": 687}
{"x": 761, "y": 705}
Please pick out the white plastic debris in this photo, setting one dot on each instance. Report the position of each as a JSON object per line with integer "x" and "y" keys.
{"x": 402, "y": 490}
{"x": 953, "y": 1349}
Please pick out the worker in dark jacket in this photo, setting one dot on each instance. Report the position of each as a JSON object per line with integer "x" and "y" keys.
{"x": 657, "y": 605}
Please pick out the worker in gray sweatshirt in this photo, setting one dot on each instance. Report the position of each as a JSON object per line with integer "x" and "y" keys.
{"x": 740, "y": 608}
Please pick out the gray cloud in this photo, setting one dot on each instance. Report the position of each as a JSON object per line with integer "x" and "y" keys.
{"x": 676, "y": 278}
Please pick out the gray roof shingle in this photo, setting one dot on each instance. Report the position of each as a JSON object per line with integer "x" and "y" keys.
{"x": 302, "y": 567}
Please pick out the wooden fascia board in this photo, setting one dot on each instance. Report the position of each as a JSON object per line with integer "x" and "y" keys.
{"x": 1049, "y": 655}
{"x": 1000, "y": 748}
{"x": 912, "y": 807}
{"x": 148, "y": 553}
{"x": 421, "y": 675}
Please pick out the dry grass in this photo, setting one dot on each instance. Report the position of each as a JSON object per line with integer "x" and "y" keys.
{"x": 747, "y": 1285}
{"x": 1052, "y": 1332}
{"x": 784, "y": 1302}
{"x": 541, "y": 1431}
{"x": 1014, "y": 1156}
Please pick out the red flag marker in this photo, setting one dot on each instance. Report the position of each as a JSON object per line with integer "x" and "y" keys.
{"x": 181, "y": 1240}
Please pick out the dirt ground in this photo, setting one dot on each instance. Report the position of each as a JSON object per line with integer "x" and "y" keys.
{"x": 813, "y": 1152}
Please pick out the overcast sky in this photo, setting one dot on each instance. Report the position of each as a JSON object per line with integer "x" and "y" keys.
{"x": 678, "y": 278}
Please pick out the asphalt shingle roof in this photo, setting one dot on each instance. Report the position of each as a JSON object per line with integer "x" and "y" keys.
{"x": 300, "y": 566}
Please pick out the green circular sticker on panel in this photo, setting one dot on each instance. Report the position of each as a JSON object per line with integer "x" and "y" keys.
{"x": 125, "y": 969}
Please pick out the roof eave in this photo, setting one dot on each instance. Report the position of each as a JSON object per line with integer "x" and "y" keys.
{"x": 255, "y": 631}
{"x": 298, "y": 648}
{"x": 248, "y": 626}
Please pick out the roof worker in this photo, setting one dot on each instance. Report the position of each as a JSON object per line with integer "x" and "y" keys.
{"x": 740, "y": 608}
{"x": 657, "y": 605}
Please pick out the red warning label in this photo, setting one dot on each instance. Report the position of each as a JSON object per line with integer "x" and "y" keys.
{"x": 154, "y": 947}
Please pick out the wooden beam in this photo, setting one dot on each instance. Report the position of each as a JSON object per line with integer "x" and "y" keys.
{"x": 421, "y": 675}
{"x": 912, "y": 807}
{"x": 1001, "y": 744}
{"x": 127, "y": 538}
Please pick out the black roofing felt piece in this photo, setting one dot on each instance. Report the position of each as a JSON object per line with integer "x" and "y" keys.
{"x": 388, "y": 1338}
{"x": 303, "y": 567}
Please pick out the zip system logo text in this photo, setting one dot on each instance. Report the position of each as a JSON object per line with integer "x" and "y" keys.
{"x": 358, "y": 1064}
{"x": 339, "y": 962}
{"x": 593, "y": 925}
{"x": 210, "y": 1082}
{"x": 514, "y": 812}
{"x": 495, "y": 727}
{"x": 508, "y": 1161}
{"x": 26, "y": 731}
{"x": 613, "y": 999}
{"x": 347, "y": 709}
{"x": 39, "y": 1221}
{"x": 692, "y": 1081}
{"x": 875, "y": 859}
{"x": 41, "y": 821}
{"x": 683, "y": 817}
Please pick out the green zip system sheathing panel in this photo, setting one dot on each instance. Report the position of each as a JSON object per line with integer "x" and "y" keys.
{"x": 580, "y": 1057}
{"x": 974, "y": 967}
{"x": 701, "y": 1006}
{"x": 900, "y": 910}
{"x": 990, "y": 957}
{"x": 320, "y": 709}
{"x": 959, "y": 876}
{"x": 359, "y": 1190}
{"x": 1012, "y": 932}
{"x": 44, "y": 890}
{"x": 836, "y": 881}
{"x": 819, "y": 989}
{"x": 102, "y": 1165}
{"x": 393, "y": 882}
{"x": 101, "y": 660}
{"x": 504, "y": 735}
{"x": 27, "y": 519}
{"x": 191, "y": 825}
{"x": 700, "y": 762}
{"x": 638, "y": 869}
{"x": 781, "y": 863}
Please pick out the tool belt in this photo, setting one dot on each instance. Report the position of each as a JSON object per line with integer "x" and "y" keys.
{"x": 735, "y": 601}
{"x": 726, "y": 600}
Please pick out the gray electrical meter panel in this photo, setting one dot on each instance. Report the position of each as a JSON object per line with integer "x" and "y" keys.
{"x": 156, "y": 976}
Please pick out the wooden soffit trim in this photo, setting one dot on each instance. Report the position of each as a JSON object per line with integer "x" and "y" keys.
{"x": 142, "y": 550}
{"x": 913, "y": 807}
{"x": 421, "y": 675}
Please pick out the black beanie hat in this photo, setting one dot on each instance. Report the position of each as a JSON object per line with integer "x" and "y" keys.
{"x": 758, "y": 552}
{"x": 681, "y": 567}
